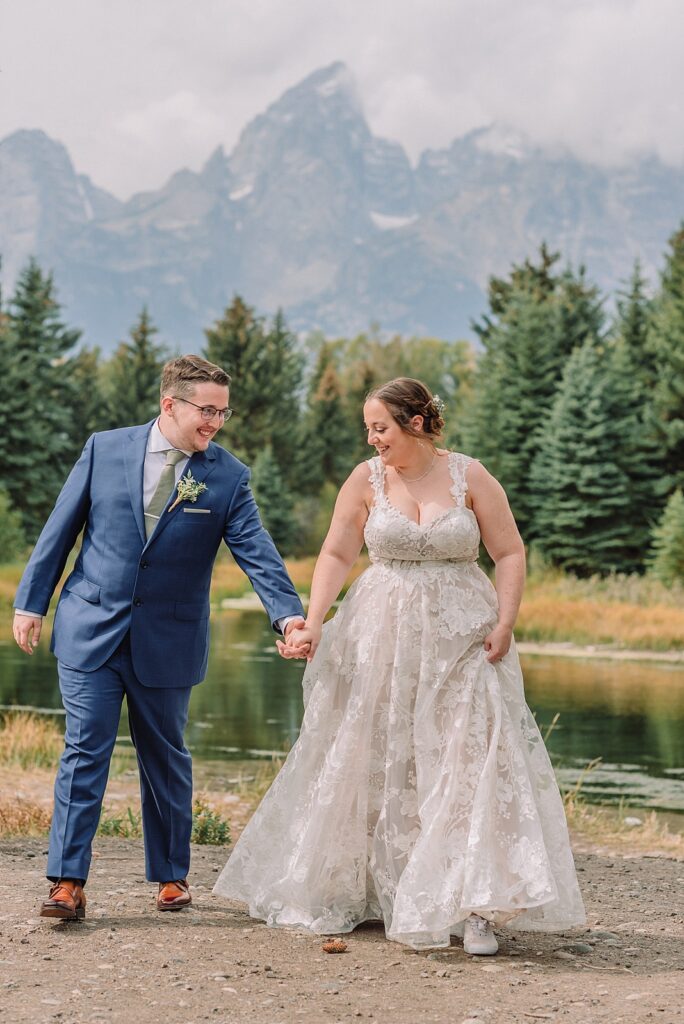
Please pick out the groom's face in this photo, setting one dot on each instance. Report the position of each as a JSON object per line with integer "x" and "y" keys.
{"x": 182, "y": 422}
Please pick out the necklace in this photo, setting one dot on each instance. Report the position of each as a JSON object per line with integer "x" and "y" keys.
{"x": 413, "y": 479}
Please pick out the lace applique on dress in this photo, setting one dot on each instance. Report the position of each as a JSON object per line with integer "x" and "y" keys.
{"x": 458, "y": 464}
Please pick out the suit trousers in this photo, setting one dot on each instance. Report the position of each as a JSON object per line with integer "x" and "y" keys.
{"x": 157, "y": 719}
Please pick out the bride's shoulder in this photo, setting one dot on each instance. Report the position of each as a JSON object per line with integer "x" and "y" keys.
{"x": 360, "y": 478}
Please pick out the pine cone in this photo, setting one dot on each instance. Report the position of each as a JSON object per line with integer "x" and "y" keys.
{"x": 334, "y": 946}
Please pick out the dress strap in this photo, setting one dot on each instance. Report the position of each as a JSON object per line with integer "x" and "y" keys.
{"x": 377, "y": 478}
{"x": 458, "y": 464}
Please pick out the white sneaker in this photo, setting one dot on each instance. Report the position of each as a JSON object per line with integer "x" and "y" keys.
{"x": 478, "y": 937}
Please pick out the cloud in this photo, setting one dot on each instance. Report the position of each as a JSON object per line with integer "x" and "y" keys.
{"x": 137, "y": 91}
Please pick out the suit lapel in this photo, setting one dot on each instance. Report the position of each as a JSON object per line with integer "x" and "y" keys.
{"x": 134, "y": 458}
{"x": 200, "y": 465}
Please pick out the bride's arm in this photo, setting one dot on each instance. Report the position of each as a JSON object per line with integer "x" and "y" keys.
{"x": 504, "y": 544}
{"x": 340, "y": 550}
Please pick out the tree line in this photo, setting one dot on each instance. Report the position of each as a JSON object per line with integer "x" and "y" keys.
{"x": 579, "y": 414}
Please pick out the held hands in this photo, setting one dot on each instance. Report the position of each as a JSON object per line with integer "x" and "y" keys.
{"x": 498, "y": 642}
{"x": 26, "y": 629}
{"x": 301, "y": 641}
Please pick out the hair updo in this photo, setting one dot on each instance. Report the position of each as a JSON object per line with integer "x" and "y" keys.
{"x": 406, "y": 398}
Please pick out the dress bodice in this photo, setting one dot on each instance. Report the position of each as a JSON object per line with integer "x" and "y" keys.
{"x": 452, "y": 535}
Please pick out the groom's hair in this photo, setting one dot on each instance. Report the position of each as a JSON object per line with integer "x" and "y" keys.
{"x": 182, "y": 375}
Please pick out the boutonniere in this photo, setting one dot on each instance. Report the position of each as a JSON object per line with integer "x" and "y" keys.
{"x": 188, "y": 489}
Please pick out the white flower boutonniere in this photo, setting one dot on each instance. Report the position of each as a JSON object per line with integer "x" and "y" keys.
{"x": 188, "y": 489}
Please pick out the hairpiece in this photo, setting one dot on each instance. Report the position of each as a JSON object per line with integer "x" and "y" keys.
{"x": 438, "y": 404}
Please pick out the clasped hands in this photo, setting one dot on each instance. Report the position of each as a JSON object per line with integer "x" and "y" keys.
{"x": 301, "y": 640}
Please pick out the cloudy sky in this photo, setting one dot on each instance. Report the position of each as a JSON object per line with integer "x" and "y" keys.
{"x": 137, "y": 89}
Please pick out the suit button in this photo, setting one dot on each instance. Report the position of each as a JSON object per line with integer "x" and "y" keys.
{"x": 137, "y": 602}
{"x": 144, "y": 565}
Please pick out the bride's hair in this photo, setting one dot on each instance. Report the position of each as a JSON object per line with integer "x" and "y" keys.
{"x": 406, "y": 398}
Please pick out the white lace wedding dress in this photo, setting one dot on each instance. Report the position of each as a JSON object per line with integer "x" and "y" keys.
{"x": 419, "y": 790}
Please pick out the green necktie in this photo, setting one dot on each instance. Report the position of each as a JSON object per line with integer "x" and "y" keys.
{"x": 167, "y": 482}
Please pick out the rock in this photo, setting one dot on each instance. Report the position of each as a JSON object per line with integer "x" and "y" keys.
{"x": 631, "y": 822}
{"x": 577, "y": 947}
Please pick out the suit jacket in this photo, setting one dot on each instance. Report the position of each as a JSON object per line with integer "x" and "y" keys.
{"x": 157, "y": 589}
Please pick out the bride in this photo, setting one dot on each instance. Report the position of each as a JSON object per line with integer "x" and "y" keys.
{"x": 419, "y": 791}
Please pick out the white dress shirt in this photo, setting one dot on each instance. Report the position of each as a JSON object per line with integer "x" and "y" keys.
{"x": 155, "y": 460}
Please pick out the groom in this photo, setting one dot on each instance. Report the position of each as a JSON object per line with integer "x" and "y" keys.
{"x": 154, "y": 503}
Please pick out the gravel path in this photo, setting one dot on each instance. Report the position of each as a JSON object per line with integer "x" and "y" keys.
{"x": 126, "y": 962}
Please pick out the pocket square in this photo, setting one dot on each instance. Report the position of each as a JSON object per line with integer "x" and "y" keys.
{"x": 198, "y": 511}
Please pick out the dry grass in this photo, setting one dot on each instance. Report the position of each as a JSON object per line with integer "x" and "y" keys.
{"x": 606, "y": 826}
{"x": 625, "y": 612}
{"x": 612, "y": 826}
{"x": 29, "y": 741}
{"x": 24, "y": 818}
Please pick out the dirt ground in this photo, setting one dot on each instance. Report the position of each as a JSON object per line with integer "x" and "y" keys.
{"x": 127, "y": 962}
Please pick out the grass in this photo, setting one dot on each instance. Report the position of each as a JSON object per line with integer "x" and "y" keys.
{"x": 28, "y": 818}
{"x": 608, "y": 826}
{"x": 29, "y": 741}
{"x": 631, "y": 612}
{"x": 209, "y": 828}
{"x": 24, "y": 818}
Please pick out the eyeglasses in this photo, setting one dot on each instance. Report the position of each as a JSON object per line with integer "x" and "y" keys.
{"x": 208, "y": 411}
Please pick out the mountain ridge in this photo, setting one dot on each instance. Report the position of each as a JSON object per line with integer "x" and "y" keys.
{"x": 312, "y": 213}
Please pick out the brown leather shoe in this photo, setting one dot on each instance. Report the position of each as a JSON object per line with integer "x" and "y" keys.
{"x": 174, "y": 895}
{"x": 66, "y": 900}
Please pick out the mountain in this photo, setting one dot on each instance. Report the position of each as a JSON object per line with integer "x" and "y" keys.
{"x": 313, "y": 213}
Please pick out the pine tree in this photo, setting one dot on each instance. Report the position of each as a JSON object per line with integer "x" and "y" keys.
{"x": 667, "y": 561}
{"x": 131, "y": 378}
{"x": 591, "y": 477}
{"x": 633, "y": 367}
{"x": 36, "y": 394}
{"x": 666, "y": 341}
{"x": 536, "y": 317}
{"x": 329, "y": 447}
{"x": 280, "y": 379}
{"x": 632, "y": 325}
{"x": 236, "y": 342}
{"x": 276, "y": 503}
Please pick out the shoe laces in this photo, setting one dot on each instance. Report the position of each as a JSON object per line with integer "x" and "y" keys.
{"x": 479, "y": 925}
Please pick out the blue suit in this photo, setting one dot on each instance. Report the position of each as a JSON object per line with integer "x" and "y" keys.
{"x": 133, "y": 619}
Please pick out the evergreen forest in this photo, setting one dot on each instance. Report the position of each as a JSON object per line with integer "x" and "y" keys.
{"x": 578, "y": 411}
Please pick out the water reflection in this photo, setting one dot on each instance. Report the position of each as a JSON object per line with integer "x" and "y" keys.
{"x": 631, "y": 715}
